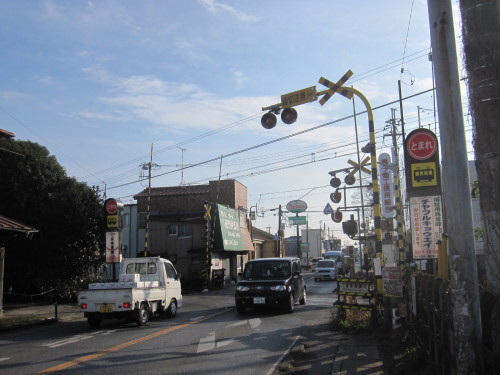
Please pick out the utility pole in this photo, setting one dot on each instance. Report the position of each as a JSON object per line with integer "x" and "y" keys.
{"x": 463, "y": 267}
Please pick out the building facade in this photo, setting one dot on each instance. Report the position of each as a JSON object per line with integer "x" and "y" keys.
{"x": 200, "y": 228}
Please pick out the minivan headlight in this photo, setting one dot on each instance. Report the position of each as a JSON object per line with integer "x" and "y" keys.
{"x": 242, "y": 288}
{"x": 279, "y": 288}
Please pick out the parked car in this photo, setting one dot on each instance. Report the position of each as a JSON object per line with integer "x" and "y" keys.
{"x": 313, "y": 262}
{"x": 326, "y": 269}
{"x": 269, "y": 282}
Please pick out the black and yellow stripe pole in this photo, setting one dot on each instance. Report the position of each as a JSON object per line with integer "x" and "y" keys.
{"x": 375, "y": 183}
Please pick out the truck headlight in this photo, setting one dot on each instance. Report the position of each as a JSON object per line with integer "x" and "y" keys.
{"x": 242, "y": 288}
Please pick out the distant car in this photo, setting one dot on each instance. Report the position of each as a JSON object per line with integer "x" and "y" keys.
{"x": 325, "y": 270}
{"x": 269, "y": 282}
{"x": 313, "y": 262}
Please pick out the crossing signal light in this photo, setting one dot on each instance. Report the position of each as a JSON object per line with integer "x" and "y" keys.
{"x": 289, "y": 115}
{"x": 335, "y": 182}
{"x": 269, "y": 120}
{"x": 336, "y": 196}
{"x": 350, "y": 227}
{"x": 350, "y": 179}
{"x": 337, "y": 216}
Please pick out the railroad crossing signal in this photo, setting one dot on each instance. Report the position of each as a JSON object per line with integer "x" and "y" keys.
{"x": 360, "y": 166}
{"x": 309, "y": 94}
{"x": 336, "y": 87}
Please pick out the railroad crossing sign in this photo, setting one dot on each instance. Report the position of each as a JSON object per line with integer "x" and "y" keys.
{"x": 360, "y": 166}
{"x": 336, "y": 87}
{"x": 207, "y": 215}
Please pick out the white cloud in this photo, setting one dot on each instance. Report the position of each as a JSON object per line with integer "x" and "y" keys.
{"x": 215, "y": 6}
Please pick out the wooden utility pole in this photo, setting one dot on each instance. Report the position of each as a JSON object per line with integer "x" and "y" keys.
{"x": 456, "y": 192}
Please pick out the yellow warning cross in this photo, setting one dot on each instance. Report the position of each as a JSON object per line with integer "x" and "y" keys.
{"x": 335, "y": 87}
{"x": 207, "y": 215}
{"x": 359, "y": 166}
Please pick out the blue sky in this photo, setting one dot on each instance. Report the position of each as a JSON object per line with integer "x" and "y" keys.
{"x": 101, "y": 82}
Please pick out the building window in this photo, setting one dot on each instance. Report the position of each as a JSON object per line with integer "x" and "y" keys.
{"x": 185, "y": 230}
{"x": 172, "y": 230}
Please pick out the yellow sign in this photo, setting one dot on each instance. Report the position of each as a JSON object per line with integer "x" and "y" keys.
{"x": 359, "y": 166}
{"x": 112, "y": 221}
{"x": 207, "y": 215}
{"x": 299, "y": 97}
{"x": 424, "y": 174}
{"x": 336, "y": 87}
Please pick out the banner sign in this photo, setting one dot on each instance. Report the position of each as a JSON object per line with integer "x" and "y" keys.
{"x": 113, "y": 247}
{"x": 426, "y": 223}
{"x": 387, "y": 197}
{"x": 227, "y": 228}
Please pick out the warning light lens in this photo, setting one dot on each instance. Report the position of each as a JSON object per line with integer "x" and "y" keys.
{"x": 289, "y": 115}
{"x": 268, "y": 121}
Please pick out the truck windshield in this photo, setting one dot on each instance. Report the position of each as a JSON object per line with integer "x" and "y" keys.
{"x": 256, "y": 270}
{"x": 141, "y": 268}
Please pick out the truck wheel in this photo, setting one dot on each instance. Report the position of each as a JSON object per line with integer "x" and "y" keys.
{"x": 94, "y": 321}
{"x": 172, "y": 309}
{"x": 142, "y": 315}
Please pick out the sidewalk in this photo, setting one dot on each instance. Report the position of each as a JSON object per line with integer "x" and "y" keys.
{"x": 320, "y": 350}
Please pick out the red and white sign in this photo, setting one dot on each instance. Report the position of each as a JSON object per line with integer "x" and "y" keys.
{"x": 296, "y": 206}
{"x": 422, "y": 145}
{"x": 426, "y": 223}
{"x": 112, "y": 247}
{"x": 111, "y": 206}
{"x": 387, "y": 198}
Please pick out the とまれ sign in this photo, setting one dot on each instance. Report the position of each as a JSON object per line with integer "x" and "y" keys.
{"x": 422, "y": 163}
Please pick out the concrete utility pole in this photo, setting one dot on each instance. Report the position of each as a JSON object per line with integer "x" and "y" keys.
{"x": 456, "y": 192}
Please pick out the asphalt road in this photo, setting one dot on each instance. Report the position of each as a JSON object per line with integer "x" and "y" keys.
{"x": 206, "y": 337}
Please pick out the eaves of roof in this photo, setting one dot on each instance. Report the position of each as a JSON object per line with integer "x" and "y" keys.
{"x": 174, "y": 191}
{"x": 12, "y": 225}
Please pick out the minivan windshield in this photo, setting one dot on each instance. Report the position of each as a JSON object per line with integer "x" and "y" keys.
{"x": 267, "y": 269}
{"x": 326, "y": 264}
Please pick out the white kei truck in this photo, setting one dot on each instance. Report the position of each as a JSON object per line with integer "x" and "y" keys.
{"x": 146, "y": 286}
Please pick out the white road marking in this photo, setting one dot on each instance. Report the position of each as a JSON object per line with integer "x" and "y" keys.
{"x": 206, "y": 343}
{"x": 4, "y": 359}
{"x": 78, "y": 338}
{"x": 255, "y": 323}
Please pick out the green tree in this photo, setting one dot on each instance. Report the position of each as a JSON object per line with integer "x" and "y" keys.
{"x": 35, "y": 190}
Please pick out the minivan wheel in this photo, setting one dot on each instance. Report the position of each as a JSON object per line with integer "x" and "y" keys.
{"x": 291, "y": 304}
{"x": 303, "y": 300}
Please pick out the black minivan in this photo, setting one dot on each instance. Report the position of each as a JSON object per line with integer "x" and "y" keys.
{"x": 268, "y": 282}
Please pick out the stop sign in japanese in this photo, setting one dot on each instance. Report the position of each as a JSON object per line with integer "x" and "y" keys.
{"x": 422, "y": 145}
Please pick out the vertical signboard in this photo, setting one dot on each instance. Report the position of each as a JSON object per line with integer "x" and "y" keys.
{"x": 113, "y": 247}
{"x": 228, "y": 235}
{"x": 387, "y": 198}
{"x": 426, "y": 222}
{"x": 422, "y": 163}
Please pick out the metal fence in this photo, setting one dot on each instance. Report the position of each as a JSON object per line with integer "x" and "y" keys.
{"x": 432, "y": 320}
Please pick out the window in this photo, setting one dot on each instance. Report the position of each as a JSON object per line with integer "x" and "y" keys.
{"x": 171, "y": 274}
{"x": 141, "y": 268}
{"x": 172, "y": 230}
{"x": 185, "y": 230}
{"x": 125, "y": 220}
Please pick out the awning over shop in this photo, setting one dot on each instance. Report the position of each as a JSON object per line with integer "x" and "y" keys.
{"x": 247, "y": 240}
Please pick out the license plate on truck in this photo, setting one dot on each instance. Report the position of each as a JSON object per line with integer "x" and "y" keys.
{"x": 106, "y": 308}
{"x": 259, "y": 300}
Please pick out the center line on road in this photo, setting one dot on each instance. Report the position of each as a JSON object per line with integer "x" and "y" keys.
{"x": 90, "y": 357}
